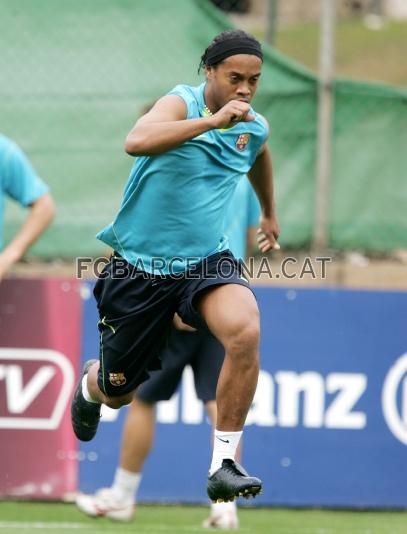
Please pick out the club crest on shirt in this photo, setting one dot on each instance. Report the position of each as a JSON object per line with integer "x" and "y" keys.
{"x": 241, "y": 141}
{"x": 117, "y": 379}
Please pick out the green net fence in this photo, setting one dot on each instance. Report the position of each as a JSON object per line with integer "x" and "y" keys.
{"x": 76, "y": 74}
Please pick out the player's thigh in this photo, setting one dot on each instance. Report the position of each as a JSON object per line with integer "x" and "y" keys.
{"x": 220, "y": 298}
{"x": 230, "y": 310}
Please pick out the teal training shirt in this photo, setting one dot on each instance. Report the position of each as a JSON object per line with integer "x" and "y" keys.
{"x": 18, "y": 180}
{"x": 174, "y": 205}
{"x": 243, "y": 212}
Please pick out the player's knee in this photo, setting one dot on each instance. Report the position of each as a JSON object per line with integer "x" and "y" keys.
{"x": 245, "y": 334}
{"x": 118, "y": 402}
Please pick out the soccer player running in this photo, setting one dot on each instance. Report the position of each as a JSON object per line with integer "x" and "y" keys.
{"x": 186, "y": 346}
{"x": 171, "y": 256}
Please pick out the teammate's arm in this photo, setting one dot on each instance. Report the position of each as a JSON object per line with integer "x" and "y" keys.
{"x": 261, "y": 178}
{"x": 251, "y": 240}
{"x": 165, "y": 126}
{"x": 41, "y": 213}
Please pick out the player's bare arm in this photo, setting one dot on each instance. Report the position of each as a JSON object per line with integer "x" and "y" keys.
{"x": 261, "y": 178}
{"x": 41, "y": 214}
{"x": 165, "y": 126}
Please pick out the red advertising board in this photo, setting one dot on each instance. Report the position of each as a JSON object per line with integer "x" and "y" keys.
{"x": 39, "y": 357}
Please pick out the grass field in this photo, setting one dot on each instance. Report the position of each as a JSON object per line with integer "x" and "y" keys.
{"x": 360, "y": 53}
{"x": 53, "y": 518}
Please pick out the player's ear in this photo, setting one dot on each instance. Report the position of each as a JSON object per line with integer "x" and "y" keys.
{"x": 209, "y": 72}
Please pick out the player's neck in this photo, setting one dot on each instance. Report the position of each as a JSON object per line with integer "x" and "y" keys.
{"x": 210, "y": 103}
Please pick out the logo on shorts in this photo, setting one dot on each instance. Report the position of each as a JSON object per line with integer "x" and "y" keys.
{"x": 117, "y": 379}
{"x": 241, "y": 141}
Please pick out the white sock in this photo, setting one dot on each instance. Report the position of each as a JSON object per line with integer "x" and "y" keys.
{"x": 126, "y": 484}
{"x": 224, "y": 446}
{"x": 218, "y": 508}
{"x": 85, "y": 391}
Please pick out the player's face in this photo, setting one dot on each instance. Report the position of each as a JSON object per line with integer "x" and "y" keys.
{"x": 236, "y": 78}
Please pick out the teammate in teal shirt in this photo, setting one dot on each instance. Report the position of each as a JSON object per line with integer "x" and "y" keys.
{"x": 242, "y": 217}
{"x": 20, "y": 182}
{"x": 193, "y": 148}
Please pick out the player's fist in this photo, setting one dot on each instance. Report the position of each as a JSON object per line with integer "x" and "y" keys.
{"x": 233, "y": 112}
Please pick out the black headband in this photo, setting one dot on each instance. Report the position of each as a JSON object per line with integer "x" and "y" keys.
{"x": 238, "y": 45}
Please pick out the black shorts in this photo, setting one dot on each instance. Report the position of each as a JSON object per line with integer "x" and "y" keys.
{"x": 136, "y": 311}
{"x": 201, "y": 350}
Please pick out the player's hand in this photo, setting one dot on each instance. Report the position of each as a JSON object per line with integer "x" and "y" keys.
{"x": 6, "y": 262}
{"x": 233, "y": 112}
{"x": 268, "y": 233}
{"x": 180, "y": 325}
